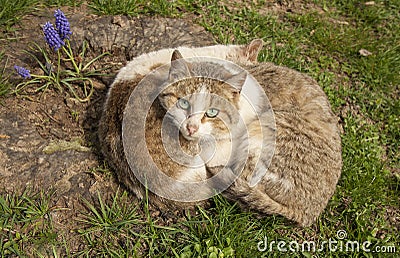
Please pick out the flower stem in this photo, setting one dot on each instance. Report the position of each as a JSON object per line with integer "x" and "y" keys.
{"x": 71, "y": 56}
{"x": 58, "y": 67}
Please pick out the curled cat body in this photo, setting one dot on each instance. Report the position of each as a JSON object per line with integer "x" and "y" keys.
{"x": 303, "y": 165}
{"x": 306, "y": 165}
{"x": 110, "y": 127}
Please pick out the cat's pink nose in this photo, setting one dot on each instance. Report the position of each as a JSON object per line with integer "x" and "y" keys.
{"x": 192, "y": 128}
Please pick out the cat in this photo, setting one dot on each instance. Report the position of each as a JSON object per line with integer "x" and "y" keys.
{"x": 110, "y": 126}
{"x": 306, "y": 165}
{"x": 306, "y": 161}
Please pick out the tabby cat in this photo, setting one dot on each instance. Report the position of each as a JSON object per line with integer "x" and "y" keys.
{"x": 299, "y": 171}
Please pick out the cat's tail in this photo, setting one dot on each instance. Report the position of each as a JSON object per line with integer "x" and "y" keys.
{"x": 254, "y": 199}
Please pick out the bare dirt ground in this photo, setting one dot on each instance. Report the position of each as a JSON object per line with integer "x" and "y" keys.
{"x": 34, "y": 130}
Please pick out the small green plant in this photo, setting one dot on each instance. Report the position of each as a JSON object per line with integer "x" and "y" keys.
{"x": 111, "y": 229}
{"x": 25, "y": 220}
{"x": 101, "y": 171}
{"x": 75, "y": 115}
{"x": 76, "y": 72}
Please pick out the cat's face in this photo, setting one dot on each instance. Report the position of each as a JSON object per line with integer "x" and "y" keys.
{"x": 202, "y": 106}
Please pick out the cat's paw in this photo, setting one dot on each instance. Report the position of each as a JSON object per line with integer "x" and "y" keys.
{"x": 208, "y": 148}
{"x": 213, "y": 171}
{"x": 232, "y": 185}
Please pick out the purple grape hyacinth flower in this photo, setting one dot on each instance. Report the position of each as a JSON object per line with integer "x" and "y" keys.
{"x": 52, "y": 37}
{"x": 25, "y": 73}
{"x": 62, "y": 25}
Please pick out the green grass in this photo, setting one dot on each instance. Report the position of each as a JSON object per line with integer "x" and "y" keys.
{"x": 111, "y": 229}
{"x": 12, "y": 11}
{"x": 25, "y": 221}
{"x": 133, "y": 7}
{"x": 59, "y": 3}
{"x": 323, "y": 42}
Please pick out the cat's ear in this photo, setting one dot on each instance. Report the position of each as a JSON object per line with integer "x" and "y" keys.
{"x": 179, "y": 67}
{"x": 251, "y": 50}
{"x": 176, "y": 55}
{"x": 237, "y": 80}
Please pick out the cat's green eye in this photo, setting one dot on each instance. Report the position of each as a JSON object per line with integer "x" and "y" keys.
{"x": 212, "y": 112}
{"x": 184, "y": 104}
